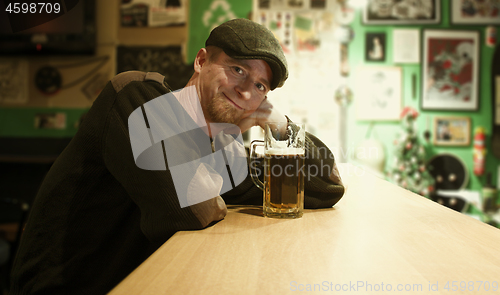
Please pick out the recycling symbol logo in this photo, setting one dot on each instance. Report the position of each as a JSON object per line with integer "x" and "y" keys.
{"x": 219, "y": 12}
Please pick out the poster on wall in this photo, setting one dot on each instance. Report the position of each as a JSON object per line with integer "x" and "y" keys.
{"x": 375, "y": 48}
{"x": 378, "y": 93}
{"x": 298, "y": 25}
{"x": 485, "y": 12}
{"x": 406, "y": 46}
{"x": 451, "y": 131}
{"x": 450, "y": 70}
{"x": 152, "y": 13}
{"x": 399, "y": 12}
{"x": 292, "y": 4}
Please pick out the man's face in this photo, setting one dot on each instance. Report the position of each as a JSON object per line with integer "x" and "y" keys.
{"x": 232, "y": 89}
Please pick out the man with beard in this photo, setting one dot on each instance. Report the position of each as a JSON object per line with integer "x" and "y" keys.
{"x": 98, "y": 214}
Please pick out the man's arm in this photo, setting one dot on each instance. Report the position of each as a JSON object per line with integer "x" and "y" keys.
{"x": 152, "y": 190}
{"x": 266, "y": 112}
{"x": 323, "y": 185}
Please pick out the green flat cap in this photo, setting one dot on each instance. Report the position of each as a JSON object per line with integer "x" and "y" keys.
{"x": 245, "y": 39}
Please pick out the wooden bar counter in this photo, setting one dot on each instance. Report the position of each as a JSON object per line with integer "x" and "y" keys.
{"x": 379, "y": 239}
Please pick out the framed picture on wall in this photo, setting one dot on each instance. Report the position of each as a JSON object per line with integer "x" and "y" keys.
{"x": 485, "y": 12}
{"x": 452, "y": 131}
{"x": 406, "y": 46}
{"x": 375, "y": 48}
{"x": 398, "y": 12}
{"x": 379, "y": 92}
{"x": 450, "y": 74}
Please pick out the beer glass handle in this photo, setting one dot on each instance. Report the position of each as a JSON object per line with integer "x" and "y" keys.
{"x": 255, "y": 178}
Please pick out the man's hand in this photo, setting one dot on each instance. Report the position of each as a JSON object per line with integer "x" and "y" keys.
{"x": 266, "y": 112}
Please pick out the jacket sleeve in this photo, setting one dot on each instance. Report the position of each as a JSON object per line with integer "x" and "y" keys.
{"x": 152, "y": 190}
{"x": 323, "y": 185}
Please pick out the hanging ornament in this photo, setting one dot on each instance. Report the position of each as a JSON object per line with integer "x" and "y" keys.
{"x": 397, "y": 176}
{"x": 417, "y": 176}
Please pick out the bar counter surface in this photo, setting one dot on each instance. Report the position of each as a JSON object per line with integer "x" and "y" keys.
{"x": 378, "y": 239}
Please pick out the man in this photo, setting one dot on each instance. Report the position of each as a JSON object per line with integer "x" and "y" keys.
{"x": 98, "y": 215}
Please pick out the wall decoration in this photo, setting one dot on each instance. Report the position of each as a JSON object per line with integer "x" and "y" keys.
{"x": 282, "y": 5}
{"x": 409, "y": 168}
{"x": 14, "y": 81}
{"x": 344, "y": 13}
{"x": 490, "y": 36}
{"x": 167, "y": 61}
{"x": 152, "y": 13}
{"x": 50, "y": 121}
{"x": 281, "y": 23}
{"x": 398, "y": 12}
{"x": 307, "y": 39}
{"x": 205, "y": 15}
{"x": 375, "y": 48}
{"x": 452, "y": 131}
{"x": 450, "y": 70}
{"x": 379, "y": 93}
{"x": 475, "y": 12}
{"x": 406, "y": 46}
{"x": 450, "y": 173}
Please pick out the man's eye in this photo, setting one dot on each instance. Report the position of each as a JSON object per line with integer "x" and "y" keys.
{"x": 238, "y": 70}
{"x": 260, "y": 87}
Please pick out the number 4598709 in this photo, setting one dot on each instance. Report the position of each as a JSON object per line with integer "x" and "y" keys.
{"x": 471, "y": 286}
{"x": 33, "y": 8}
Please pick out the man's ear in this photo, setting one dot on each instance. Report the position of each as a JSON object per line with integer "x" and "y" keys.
{"x": 200, "y": 60}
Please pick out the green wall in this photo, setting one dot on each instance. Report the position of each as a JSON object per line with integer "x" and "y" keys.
{"x": 20, "y": 122}
{"x": 387, "y": 131}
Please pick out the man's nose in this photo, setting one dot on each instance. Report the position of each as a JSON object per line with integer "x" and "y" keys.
{"x": 244, "y": 89}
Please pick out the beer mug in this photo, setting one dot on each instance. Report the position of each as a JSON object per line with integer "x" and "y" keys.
{"x": 283, "y": 163}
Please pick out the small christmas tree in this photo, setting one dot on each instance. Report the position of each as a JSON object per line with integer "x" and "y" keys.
{"x": 409, "y": 167}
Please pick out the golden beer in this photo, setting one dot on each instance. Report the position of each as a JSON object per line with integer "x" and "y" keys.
{"x": 284, "y": 183}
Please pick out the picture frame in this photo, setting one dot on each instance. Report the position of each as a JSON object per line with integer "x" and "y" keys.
{"x": 450, "y": 70}
{"x": 474, "y": 12}
{"x": 400, "y": 12}
{"x": 406, "y": 46}
{"x": 452, "y": 131}
{"x": 375, "y": 46}
{"x": 379, "y": 89}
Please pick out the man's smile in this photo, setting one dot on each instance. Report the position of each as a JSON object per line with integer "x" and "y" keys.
{"x": 232, "y": 102}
